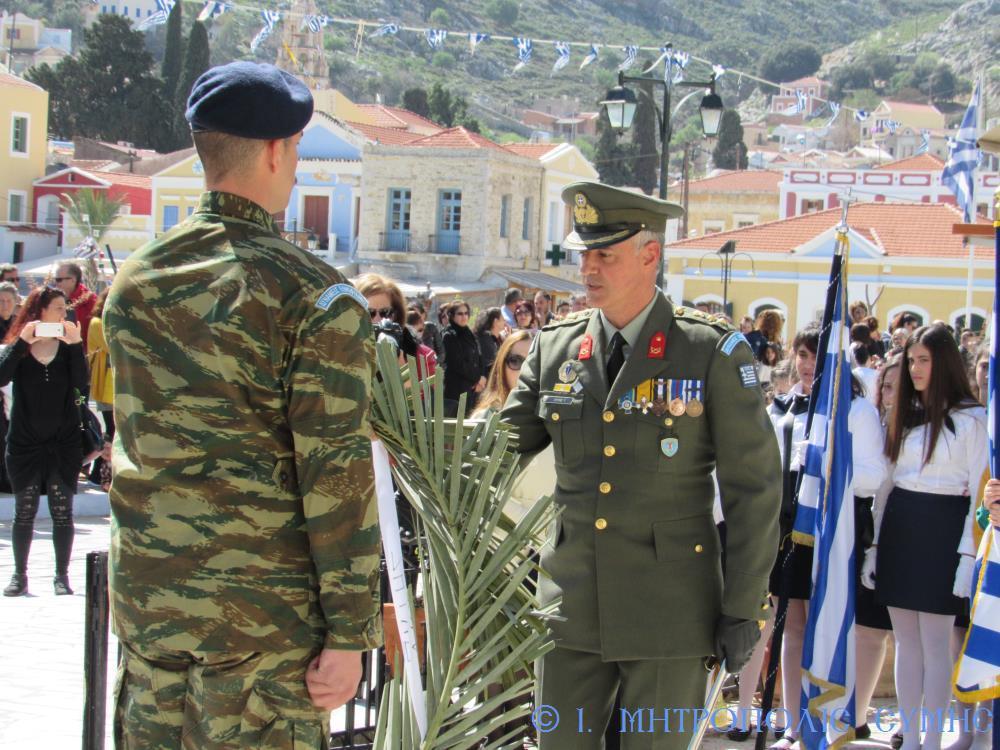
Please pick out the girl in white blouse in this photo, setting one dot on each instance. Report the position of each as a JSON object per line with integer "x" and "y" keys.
{"x": 922, "y": 560}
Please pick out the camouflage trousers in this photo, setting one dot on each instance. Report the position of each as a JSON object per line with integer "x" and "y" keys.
{"x": 207, "y": 700}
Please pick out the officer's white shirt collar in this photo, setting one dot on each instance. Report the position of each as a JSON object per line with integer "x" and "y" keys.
{"x": 632, "y": 329}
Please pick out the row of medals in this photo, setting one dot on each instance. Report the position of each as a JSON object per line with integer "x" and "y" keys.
{"x": 677, "y": 407}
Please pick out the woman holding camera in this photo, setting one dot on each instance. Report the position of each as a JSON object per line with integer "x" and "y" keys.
{"x": 44, "y": 360}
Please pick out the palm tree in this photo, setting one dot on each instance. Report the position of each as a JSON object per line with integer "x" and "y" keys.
{"x": 484, "y": 625}
{"x": 92, "y": 212}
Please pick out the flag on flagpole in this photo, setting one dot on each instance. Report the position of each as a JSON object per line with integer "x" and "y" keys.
{"x": 591, "y": 56}
{"x": 523, "y": 52}
{"x": 386, "y": 29}
{"x": 631, "y": 52}
{"x": 562, "y": 56}
{"x": 963, "y": 157}
{"x": 828, "y": 652}
{"x": 213, "y": 9}
{"x": 977, "y": 672}
{"x": 475, "y": 39}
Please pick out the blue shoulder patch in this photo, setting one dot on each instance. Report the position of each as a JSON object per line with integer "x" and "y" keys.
{"x": 337, "y": 291}
{"x": 732, "y": 342}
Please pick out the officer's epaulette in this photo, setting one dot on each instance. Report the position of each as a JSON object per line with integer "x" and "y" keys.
{"x": 572, "y": 318}
{"x": 694, "y": 315}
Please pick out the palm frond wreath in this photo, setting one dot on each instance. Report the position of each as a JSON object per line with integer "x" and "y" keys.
{"x": 483, "y": 621}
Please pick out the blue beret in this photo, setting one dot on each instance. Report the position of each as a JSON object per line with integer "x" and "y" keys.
{"x": 250, "y": 100}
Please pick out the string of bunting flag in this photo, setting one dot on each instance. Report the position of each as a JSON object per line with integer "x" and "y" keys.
{"x": 675, "y": 61}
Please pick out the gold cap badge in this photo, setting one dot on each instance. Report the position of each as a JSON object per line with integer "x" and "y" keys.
{"x": 584, "y": 212}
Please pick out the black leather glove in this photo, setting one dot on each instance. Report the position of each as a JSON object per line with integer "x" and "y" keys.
{"x": 734, "y": 641}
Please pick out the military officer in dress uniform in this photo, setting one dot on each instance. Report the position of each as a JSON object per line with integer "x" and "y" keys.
{"x": 244, "y": 546}
{"x": 641, "y": 401}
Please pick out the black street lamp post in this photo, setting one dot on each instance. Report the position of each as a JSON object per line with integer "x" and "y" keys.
{"x": 620, "y": 104}
{"x": 727, "y": 255}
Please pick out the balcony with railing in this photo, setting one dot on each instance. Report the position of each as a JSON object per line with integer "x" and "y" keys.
{"x": 394, "y": 240}
{"x": 447, "y": 244}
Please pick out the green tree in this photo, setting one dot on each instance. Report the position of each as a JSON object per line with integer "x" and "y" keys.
{"x": 196, "y": 62}
{"x": 440, "y": 18}
{"x": 443, "y": 59}
{"x": 415, "y": 100}
{"x": 92, "y": 212}
{"x": 789, "y": 62}
{"x": 645, "y": 161}
{"x": 730, "y": 152}
{"x": 441, "y": 106}
{"x": 170, "y": 70}
{"x": 109, "y": 91}
{"x": 504, "y": 12}
{"x": 942, "y": 83}
{"x": 611, "y": 158}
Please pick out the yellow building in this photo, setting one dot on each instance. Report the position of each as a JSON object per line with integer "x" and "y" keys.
{"x": 903, "y": 254}
{"x": 177, "y": 190}
{"x": 24, "y": 113}
{"x": 731, "y": 200}
{"x": 907, "y": 114}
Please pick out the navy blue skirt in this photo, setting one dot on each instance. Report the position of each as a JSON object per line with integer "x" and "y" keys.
{"x": 918, "y": 551}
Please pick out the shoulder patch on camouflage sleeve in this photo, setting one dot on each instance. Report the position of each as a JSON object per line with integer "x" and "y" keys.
{"x": 337, "y": 291}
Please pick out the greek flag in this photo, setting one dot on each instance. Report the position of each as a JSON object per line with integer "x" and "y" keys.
{"x": 860, "y": 116}
{"x": 678, "y": 61}
{"x": 315, "y": 23}
{"x": 523, "y": 52}
{"x": 925, "y": 142}
{"x": 963, "y": 157}
{"x": 213, "y": 9}
{"x": 977, "y": 673}
{"x": 436, "y": 37}
{"x": 631, "y": 52}
{"x": 475, "y": 39}
{"x": 892, "y": 125}
{"x": 562, "y": 59}
{"x": 591, "y": 56}
{"x": 825, "y": 516}
{"x": 158, "y": 17}
{"x": 719, "y": 71}
{"x": 800, "y": 97}
{"x": 270, "y": 18}
{"x": 385, "y": 29}
{"x": 834, "y": 111}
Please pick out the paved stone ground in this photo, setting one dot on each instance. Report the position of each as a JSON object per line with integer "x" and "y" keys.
{"x": 41, "y": 652}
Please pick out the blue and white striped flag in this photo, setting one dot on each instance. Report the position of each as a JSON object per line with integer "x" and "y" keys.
{"x": 826, "y": 515}
{"x": 860, "y": 116}
{"x": 892, "y": 125}
{"x": 475, "y": 39}
{"x": 631, "y": 52}
{"x": 925, "y": 143}
{"x": 270, "y": 18}
{"x": 436, "y": 37}
{"x": 562, "y": 56}
{"x": 213, "y": 9}
{"x": 315, "y": 23}
{"x": 523, "y": 52}
{"x": 977, "y": 673}
{"x": 963, "y": 157}
{"x": 591, "y": 56}
{"x": 386, "y": 29}
{"x": 834, "y": 112}
{"x": 679, "y": 62}
{"x": 719, "y": 71}
{"x": 158, "y": 17}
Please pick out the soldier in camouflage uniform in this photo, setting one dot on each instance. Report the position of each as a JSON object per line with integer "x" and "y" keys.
{"x": 244, "y": 551}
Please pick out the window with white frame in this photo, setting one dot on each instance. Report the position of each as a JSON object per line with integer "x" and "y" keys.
{"x": 19, "y": 135}
{"x": 16, "y": 202}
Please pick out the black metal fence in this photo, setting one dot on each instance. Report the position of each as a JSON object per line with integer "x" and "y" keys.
{"x": 359, "y": 716}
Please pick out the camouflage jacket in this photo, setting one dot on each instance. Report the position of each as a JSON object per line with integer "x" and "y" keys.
{"x": 243, "y": 504}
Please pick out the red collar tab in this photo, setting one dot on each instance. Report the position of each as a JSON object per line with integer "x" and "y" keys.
{"x": 586, "y": 348}
{"x": 657, "y": 346}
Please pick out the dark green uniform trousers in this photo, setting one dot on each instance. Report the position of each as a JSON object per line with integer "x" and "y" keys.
{"x": 204, "y": 700}
{"x": 576, "y": 693}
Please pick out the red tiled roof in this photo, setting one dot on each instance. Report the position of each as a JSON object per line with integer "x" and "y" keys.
{"x": 88, "y": 165}
{"x": 743, "y": 181}
{"x": 807, "y": 81}
{"x": 921, "y": 162}
{"x": 7, "y": 79}
{"x": 125, "y": 178}
{"x": 457, "y": 137}
{"x": 910, "y": 107}
{"x": 397, "y": 117}
{"x": 531, "y": 150}
{"x": 387, "y": 136}
{"x": 910, "y": 230}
